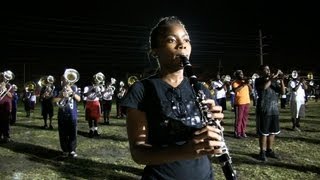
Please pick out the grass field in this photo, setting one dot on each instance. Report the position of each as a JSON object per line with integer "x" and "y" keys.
{"x": 34, "y": 152}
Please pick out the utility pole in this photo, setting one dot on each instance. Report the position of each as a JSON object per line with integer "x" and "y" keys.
{"x": 261, "y": 45}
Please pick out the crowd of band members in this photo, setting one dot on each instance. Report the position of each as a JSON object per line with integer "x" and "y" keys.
{"x": 98, "y": 97}
{"x": 97, "y": 102}
{"x": 295, "y": 96}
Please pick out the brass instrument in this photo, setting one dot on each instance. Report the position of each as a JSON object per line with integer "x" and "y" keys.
{"x": 132, "y": 80}
{"x": 30, "y": 86}
{"x": 226, "y": 78}
{"x": 6, "y": 76}
{"x": 14, "y": 87}
{"x": 253, "y": 78}
{"x": 98, "y": 86}
{"x": 311, "y": 83}
{"x": 122, "y": 90}
{"x": 47, "y": 82}
{"x": 109, "y": 91}
{"x": 69, "y": 78}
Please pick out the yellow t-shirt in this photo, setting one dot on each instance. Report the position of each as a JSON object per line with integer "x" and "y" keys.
{"x": 243, "y": 95}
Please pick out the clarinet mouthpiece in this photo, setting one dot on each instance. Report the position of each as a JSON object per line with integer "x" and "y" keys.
{"x": 185, "y": 60}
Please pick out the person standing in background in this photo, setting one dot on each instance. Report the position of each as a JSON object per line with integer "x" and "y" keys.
{"x": 46, "y": 98}
{"x": 15, "y": 98}
{"x": 242, "y": 90}
{"x": 220, "y": 92}
{"x": 5, "y": 105}
{"x": 297, "y": 87}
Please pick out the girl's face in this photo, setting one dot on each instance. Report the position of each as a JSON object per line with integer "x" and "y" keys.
{"x": 173, "y": 44}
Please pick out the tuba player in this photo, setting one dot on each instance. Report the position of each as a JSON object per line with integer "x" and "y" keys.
{"x": 5, "y": 105}
{"x": 46, "y": 99}
{"x": 92, "y": 95}
{"x": 67, "y": 113}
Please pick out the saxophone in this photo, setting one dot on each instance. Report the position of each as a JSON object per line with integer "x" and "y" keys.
{"x": 224, "y": 158}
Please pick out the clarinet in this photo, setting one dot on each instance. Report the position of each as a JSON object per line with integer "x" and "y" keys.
{"x": 224, "y": 158}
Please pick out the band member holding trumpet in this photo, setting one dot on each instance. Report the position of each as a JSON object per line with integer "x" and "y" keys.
{"x": 67, "y": 112}
{"x": 297, "y": 87}
{"x": 242, "y": 90}
{"x": 267, "y": 111}
{"x": 6, "y": 92}
{"x": 46, "y": 99}
{"x": 93, "y": 94}
{"x": 164, "y": 125}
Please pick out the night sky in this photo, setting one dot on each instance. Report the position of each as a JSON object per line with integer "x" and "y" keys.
{"x": 43, "y": 39}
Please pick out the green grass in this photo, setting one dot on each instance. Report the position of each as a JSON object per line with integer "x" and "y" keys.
{"x": 34, "y": 152}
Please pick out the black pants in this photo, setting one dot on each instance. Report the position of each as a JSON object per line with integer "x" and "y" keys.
{"x": 67, "y": 133}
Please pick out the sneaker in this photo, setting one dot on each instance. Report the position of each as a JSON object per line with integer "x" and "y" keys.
{"x": 50, "y": 127}
{"x": 106, "y": 122}
{"x": 296, "y": 129}
{"x": 271, "y": 154}
{"x": 262, "y": 156}
{"x": 244, "y": 135}
{"x": 73, "y": 154}
{"x": 44, "y": 127}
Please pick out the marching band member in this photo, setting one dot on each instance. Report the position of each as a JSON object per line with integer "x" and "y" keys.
{"x": 121, "y": 92}
{"x": 92, "y": 95}
{"x": 220, "y": 92}
{"x": 46, "y": 99}
{"x": 6, "y": 91}
{"x": 107, "y": 101}
{"x": 297, "y": 99}
{"x": 15, "y": 98}
{"x": 67, "y": 112}
{"x": 267, "y": 111}
{"x": 27, "y": 95}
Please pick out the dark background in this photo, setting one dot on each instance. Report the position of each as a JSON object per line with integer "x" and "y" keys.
{"x": 112, "y": 37}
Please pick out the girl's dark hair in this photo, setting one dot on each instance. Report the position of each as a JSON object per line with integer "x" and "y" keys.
{"x": 161, "y": 28}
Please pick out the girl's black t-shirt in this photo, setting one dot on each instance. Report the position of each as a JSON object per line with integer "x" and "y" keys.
{"x": 173, "y": 115}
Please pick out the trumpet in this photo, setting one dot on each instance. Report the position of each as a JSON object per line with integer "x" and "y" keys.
{"x": 69, "y": 78}
{"x": 6, "y": 76}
